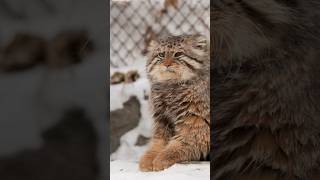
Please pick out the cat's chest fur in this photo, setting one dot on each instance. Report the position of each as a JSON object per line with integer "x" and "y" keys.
{"x": 175, "y": 101}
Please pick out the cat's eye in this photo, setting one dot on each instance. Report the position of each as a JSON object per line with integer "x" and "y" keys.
{"x": 200, "y": 46}
{"x": 161, "y": 55}
{"x": 178, "y": 54}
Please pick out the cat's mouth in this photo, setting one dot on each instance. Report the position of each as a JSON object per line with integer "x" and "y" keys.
{"x": 169, "y": 70}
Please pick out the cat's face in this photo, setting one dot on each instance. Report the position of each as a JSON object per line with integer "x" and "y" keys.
{"x": 244, "y": 29}
{"x": 177, "y": 58}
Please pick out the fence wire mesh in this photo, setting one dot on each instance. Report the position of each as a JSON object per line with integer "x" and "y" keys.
{"x": 134, "y": 23}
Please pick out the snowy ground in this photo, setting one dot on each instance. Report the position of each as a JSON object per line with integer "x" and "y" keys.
{"x": 124, "y": 170}
{"x": 119, "y": 94}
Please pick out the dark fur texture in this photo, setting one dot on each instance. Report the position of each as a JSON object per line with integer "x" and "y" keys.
{"x": 265, "y": 85}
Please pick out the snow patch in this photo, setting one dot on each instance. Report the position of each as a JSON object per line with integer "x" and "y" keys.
{"x": 119, "y": 94}
{"x": 124, "y": 170}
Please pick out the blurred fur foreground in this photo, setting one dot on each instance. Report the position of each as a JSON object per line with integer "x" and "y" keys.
{"x": 266, "y": 90}
{"x": 68, "y": 153}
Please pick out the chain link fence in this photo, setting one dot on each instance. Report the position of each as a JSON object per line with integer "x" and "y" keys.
{"x": 134, "y": 23}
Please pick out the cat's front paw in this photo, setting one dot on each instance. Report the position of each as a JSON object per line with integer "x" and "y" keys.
{"x": 145, "y": 163}
{"x": 161, "y": 162}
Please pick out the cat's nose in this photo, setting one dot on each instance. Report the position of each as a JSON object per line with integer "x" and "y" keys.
{"x": 167, "y": 62}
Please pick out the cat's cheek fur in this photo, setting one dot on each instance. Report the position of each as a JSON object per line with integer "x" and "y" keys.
{"x": 159, "y": 74}
{"x": 198, "y": 52}
{"x": 187, "y": 74}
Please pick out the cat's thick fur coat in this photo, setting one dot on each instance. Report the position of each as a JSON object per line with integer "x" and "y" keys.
{"x": 265, "y": 86}
{"x": 180, "y": 100}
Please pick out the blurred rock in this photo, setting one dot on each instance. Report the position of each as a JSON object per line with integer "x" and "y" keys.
{"x": 69, "y": 153}
{"x": 123, "y": 120}
{"x": 131, "y": 76}
{"x": 68, "y": 47}
{"x": 24, "y": 51}
{"x": 117, "y": 78}
{"x": 142, "y": 140}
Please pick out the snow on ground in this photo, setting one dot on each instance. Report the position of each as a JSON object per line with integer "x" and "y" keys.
{"x": 119, "y": 94}
{"x": 125, "y": 170}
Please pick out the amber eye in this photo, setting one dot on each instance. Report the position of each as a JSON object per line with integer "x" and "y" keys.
{"x": 178, "y": 54}
{"x": 161, "y": 55}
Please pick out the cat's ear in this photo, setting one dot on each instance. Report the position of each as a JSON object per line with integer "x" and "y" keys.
{"x": 200, "y": 42}
{"x": 152, "y": 45}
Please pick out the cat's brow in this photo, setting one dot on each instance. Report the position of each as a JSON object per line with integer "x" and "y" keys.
{"x": 194, "y": 59}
